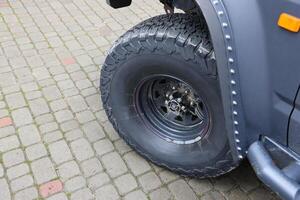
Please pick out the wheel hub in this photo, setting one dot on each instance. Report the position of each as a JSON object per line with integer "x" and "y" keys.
{"x": 180, "y": 100}
{"x": 174, "y": 109}
{"x": 174, "y": 106}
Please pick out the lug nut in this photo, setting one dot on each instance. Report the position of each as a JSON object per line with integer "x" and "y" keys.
{"x": 173, "y": 88}
{"x": 179, "y": 100}
{"x": 183, "y": 107}
{"x": 171, "y": 97}
{"x": 166, "y": 102}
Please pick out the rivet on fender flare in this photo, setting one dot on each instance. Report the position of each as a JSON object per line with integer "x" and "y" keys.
{"x": 220, "y": 10}
{"x": 215, "y": 2}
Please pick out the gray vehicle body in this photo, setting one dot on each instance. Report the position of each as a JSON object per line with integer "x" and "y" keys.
{"x": 259, "y": 71}
{"x": 267, "y": 59}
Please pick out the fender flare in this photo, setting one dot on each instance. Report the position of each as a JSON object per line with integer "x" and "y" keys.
{"x": 222, "y": 36}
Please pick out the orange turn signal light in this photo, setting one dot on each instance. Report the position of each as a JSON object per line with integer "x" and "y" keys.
{"x": 289, "y": 22}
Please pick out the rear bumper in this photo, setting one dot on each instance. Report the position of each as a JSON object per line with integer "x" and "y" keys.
{"x": 283, "y": 181}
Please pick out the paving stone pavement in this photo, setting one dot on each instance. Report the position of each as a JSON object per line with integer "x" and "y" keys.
{"x": 55, "y": 140}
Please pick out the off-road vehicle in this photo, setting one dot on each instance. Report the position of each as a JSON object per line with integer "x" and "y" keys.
{"x": 198, "y": 91}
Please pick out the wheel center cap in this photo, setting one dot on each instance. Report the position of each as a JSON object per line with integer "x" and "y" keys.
{"x": 174, "y": 106}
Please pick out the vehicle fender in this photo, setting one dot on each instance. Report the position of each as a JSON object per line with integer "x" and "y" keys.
{"x": 228, "y": 55}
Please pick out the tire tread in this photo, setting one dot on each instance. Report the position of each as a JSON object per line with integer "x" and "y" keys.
{"x": 177, "y": 34}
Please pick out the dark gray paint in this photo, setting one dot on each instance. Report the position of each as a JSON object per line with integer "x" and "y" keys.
{"x": 251, "y": 46}
{"x": 268, "y": 59}
{"x": 269, "y": 63}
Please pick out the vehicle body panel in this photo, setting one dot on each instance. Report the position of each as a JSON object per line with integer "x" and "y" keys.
{"x": 294, "y": 127}
{"x": 269, "y": 66}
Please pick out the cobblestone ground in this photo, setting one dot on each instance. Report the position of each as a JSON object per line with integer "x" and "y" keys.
{"x": 55, "y": 140}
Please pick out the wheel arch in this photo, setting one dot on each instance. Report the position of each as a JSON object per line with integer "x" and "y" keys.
{"x": 230, "y": 71}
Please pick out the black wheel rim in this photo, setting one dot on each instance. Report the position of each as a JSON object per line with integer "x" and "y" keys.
{"x": 172, "y": 109}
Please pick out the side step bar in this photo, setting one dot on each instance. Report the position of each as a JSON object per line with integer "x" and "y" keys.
{"x": 282, "y": 181}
